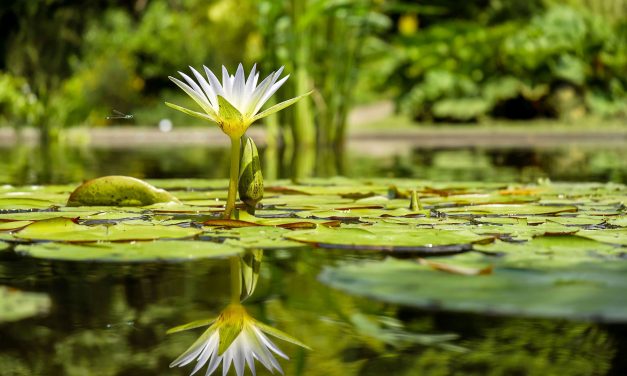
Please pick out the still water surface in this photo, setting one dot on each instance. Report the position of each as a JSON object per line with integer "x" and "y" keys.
{"x": 112, "y": 319}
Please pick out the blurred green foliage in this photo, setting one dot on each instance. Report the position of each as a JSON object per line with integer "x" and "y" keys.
{"x": 83, "y": 60}
{"x": 508, "y": 59}
{"x": 18, "y": 104}
{"x": 65, "y": 62}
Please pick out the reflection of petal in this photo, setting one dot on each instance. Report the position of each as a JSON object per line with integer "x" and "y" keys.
{"x": 249, "y": 344}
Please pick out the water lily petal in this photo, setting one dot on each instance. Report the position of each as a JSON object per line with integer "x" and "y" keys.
{"x": 279, "y": 107}
{"x": 226, "y": 362}
{"x": 251, "y": 83}
{"x": 270, "y": 92}
{"x": 191, "y": 325}
{"x": 249, "y": 353}
{"x": 227, "y": 82}
{"x": 194, "y": 350}
{"x": 279, "y": 334}
{"x": 196, "y": 88}
{"x": 257, "y": 94}
{"x": 202, "y": 101}
{"x": 207, "y": 352}
{"x": 214, "y": 362}
{"x": 214, "y": 82}
{"x": 269, "y": 344}
{"x": 239, "y": 360}
{"x": 199, "y": 115}
{"x": 238, "y": 88}
{"x": 211, "y": 95}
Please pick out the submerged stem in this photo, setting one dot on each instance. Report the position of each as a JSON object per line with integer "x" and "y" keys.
{"x": 233, "y": 177}
{"x": 236, "y": 280}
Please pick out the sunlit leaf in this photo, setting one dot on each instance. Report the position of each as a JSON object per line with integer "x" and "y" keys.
{"x": 118, "y": 191}
{"x": 130, "y": 252}
{"x": 68, "y": 230}
{"x": 399, "y": 238}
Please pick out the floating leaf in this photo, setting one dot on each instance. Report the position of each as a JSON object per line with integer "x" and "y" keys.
{"x": 618, "y": 236}
{"x": 17, "y": 203}
{"x": 130, "y": 252}
{"x": 13, "y": 225}
{"x": 553, "y": 251}
{"x": 513, "y": 209}
{"x": 593, "y": 292}
{"x": 118, "y": 191}
{"x": 398, "y": 238}
{"x": 68, "y": 230}
{"x": 17, "y": 305}
{"x": 259, "y": 237}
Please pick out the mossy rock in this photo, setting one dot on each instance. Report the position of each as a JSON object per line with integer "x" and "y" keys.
{"x": 118, "y": 191}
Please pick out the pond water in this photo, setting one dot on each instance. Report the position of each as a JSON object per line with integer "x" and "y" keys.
{"x": 31, "y": 164}
{"x": 111, "y": 319}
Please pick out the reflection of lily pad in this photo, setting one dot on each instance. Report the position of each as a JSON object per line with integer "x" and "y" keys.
{"x": 130, "y": 252}
{"x": 585, "y": 291}
{"x": 390, "y": 238}
{"x": 16, "y": 305}
{"x": 66, "y": 229}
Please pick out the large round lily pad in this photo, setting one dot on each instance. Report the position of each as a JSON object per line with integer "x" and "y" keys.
{"x": 130, "y": 252}
{"x": 16, "y": 305}
{"x": 67, "y": 230}
{"x": 580, "y": 291}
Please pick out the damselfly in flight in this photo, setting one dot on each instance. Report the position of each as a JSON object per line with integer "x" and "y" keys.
{"x": 119, "y": 115}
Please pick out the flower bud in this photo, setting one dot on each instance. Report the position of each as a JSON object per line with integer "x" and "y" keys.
{"x": 250, "y": 178}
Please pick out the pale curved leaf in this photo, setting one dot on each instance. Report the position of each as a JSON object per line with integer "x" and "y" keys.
{"x": 199, "y": 115}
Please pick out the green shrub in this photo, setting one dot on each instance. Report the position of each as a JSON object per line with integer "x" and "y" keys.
{"x": 562, "y": 62}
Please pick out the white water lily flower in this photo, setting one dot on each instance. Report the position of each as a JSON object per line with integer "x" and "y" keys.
{"x": 233, "y": 104}
{"x": 234, "y": 337}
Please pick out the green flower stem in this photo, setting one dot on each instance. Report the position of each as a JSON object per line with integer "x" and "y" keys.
{"x": 233, "y": 177}
{"x": 236, "y": 280}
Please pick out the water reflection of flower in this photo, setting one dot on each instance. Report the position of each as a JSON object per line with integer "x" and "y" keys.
{"x": 235, "y": 337}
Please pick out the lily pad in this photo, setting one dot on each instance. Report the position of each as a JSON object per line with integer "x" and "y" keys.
{"x": 169, "y": 251}
{"x": 593, "y": 292}
{"x": 20, "y": 203}
{"x": 13, "y": 225}
{"x": 68, "y": 230}
{"x": 258, "y": 237}
{"x": 17, "y": 305}
{"x": 509, "y": 210}
{"x": 618, "y": 236}
{"x": 390, "y": 238}
{"x": 118, "y": 191}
